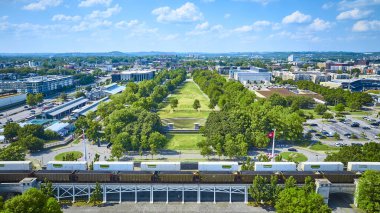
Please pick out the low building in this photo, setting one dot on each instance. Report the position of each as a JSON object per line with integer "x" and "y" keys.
{"x": 41, "y": 84}
{"x": 88, "y": 108}
{"x": 64, "y": 109}
{"x": 61, "y": 128}
{"x": 133, "y": 75}
{"x": 254, "y": 74}
{"x": 113, "y": 88}
{"x": 8, "y": 100}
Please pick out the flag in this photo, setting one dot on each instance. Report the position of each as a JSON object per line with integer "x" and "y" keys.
{"x": 270, "y": 134}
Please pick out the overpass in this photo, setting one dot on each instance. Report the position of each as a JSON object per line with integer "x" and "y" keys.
{"x": 164, "y": 192}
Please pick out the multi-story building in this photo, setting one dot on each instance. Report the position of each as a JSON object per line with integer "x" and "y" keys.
{"x": 133, "y": 75}
{"x": 254, "y": 74}
{"x": 41, "y": 84}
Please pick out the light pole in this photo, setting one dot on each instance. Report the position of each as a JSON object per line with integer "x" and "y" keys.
{"x": 274, "y": 136}
{"x": 84, "y": 146}
{"x": 317, "y": 157}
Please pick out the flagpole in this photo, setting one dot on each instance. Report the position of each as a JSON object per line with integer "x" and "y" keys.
{"x": 274, "y": 136}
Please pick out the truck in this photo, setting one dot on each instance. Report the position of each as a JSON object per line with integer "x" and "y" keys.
{"x": 113, "y": 166}
{"x": 363, "y": 166}
{"x": 16, "y": 165}
{"x": 275, "y": 166}
{"x": 66, "y": 165}
{"x": 321, "y": 166}
{"x": 160, "y": 166}
{"x": 218, "y": 166}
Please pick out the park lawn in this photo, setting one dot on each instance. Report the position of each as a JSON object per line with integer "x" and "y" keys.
{"x": 183, "y": 141}
{"x": 184, "y": 123}
{"x": 323, "y": 147}
{"x": 186, "y": 96}
{"x": 77, "y": 155}
{"x": 311, "y": 111}
{"x": 298, "y": 157}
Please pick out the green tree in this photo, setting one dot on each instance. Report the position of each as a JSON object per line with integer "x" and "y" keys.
{"x": 368, "y": 193}
{"x": 258, "y": 189}
{"x": 96, "y": 195}
{"x": 339, "y": 107}
{"x": 32, "y": 201}
{"x": 31, "y": 100}
{"x": 296, "y": 199}
{"x": 79, "y": 94}
{"x": 309, "y": 186}
{"x": 327, "y": 115}
{"x": 117, "y": 150}
{"x": 196, "y": 104}
{"x": 10, "y": 131}
{"x": 248, "y": 165}
{"x": 320, "y": 109}
{"x": 32, "y": 143}
{"x": 39, "y": 98}
{"x": 290, "y": 182}
{"x": 47, "y": 188}
{"x": 368, "y": 153}
{"x": 63, "y": 96}
{"x": 173, "y": 103}
{"x": 12, "y": 153}
{"x": 263, "y": 158}
{"x": 336, "y": 136}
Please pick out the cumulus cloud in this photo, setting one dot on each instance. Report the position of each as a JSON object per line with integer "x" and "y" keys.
{"x": 319, "y": 25}
{"x": 87, "y": 25}
{"x": 90, "y": 3}
{"x": 106, "y": 13}
{"x": 349, "y": 4}
{"x": 296, "y": 17}
{"x": 62, "y": 17}
{"x": 127, "y": 24}
{"x": 256, "y": 26}
{"x": 353, "y": 14}
{"x": 204, "y": 28}
{"x": 186, "y": 13}
{"x": 327, "y": 5}
{"x": 365, "y": 25}
{"x": 42, "y": 4}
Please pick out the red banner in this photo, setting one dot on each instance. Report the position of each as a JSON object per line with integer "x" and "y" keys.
{"x": 270, "y": 135}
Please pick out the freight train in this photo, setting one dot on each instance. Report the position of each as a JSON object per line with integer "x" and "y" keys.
{"x": 181, "y": 172}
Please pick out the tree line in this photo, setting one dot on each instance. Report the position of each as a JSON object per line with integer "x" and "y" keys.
{"x": 130, "y": 120}
{"x": 353, "y": 100}
{"x": 31, "y": 137}
{"x": 243, "y": 121}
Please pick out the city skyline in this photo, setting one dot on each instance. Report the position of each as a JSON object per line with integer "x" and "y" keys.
{"x": 39, "y": 26}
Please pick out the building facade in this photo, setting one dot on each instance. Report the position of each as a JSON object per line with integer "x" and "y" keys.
{"x": 133, "y": 75}
{"x": 40, "y": 84}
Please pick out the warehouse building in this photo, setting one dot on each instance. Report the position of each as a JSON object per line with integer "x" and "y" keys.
{"x": 8, "y": 100}
{"x": 65, "y": 109}
{"x": 254, "y": 74}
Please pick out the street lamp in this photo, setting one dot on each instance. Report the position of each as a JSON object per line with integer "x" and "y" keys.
{"x": 84, "y": 146}
{"x": 274, "y": 136}
{"x": 317, "y": 157}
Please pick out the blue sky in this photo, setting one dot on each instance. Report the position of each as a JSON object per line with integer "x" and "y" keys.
{"x": 189, "y": 26}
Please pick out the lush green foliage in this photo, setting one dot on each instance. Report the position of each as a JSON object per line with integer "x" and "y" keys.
{"x": 34, "y": 99}
{"x": 368, "y": 153}
{"x": 12, "y": 153}
{"x": 96, "y": 195}
{"x": 32, "y": 201}
{"x": 68, "y": 156}
{"x": 368, "y": 194}
{"x": 242, "y": 122}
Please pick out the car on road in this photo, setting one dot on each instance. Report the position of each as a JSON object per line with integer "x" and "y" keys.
{"x": 366, "y": 127}
{"x": 355, "y": 124}
{"x": 318, "y": 135}
{"x": 26, "y": 106}
{"x": 348, "y": 135}
{"x": 313, "y": 124}
{"x": 312, "y": 131}
{"x": 1, "y": 115}
{"x": 375, "y": 123}
{"x": 292, "y": 150}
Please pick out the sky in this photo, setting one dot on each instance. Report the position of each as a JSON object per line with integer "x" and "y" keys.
{"x": 215, "y": 26}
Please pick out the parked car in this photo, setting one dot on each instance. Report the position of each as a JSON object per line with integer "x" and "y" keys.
{"x": 355, "y": 124}
{"x": 366, "y": 127}
{"x": 313, "y": 124}
{"x": 318, "y": 134}
{"x": 1, "y": 114}
{"x": 348, "y": 135}
{"x": 26, "y": 107}
{"x": 312, "y": 131}
{"x": 375, "y": 123}
{"x": 292, "y": 150}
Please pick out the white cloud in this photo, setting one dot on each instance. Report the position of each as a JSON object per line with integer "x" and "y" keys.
{"x": 90, "y": 3}
{"x": 204, "y": 28}
{"x": 327, "y": 5}
{"x": 353, "y": 14}
{"x": 127, "y": 24}
{"x": 263, "y": 2}
{"x": 257, "y": 26}
{"x": 364, "y": 25}
{"x": 227, "y": 16}
{"x": 186, "y": 13}
{"x": 349, "y": 4}
{"x": 62, "y": 17}
{"x": 296, "y": 17}
{"x": 169, "y": 37}
{"x": 319, "y": 25}
{"x": 87, "y": 25}
{"x": 104, "y": 14}
{"x": 42, "y": 4}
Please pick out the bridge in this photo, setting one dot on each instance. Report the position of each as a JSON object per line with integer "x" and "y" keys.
{"x": 168, "y": 192}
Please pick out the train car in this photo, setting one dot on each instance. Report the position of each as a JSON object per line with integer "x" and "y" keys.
{"x": 16, "y": 165}
{"x": 95, "y": 176}
{"x": 56, "y": 176}
{"x": 176, "y": 177}
{"x": 113, "y": 166}
{"x": 160, "y": 166}
{"x": 321, "y": 166}
{"x": 363, "y": 166}
{"x": 300, "y": 176}
{"x": 66, "y": 165}
{"x": 248, "y": 176}
{"x": 136, "y": 176}
{"x": 275, "y": 166}
{"x": 13, "y": 176}
{"x": 340, "y": 176}
{"x": 218, "y": 166}
{"x": 217, "y": 177}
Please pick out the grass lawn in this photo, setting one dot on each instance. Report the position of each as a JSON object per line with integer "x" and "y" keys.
{"x": 323, "y": 147}
{"x": 184, "y": 123}
{"x": 77, "y": 155}
{"x": 183, "y": 141}
{"x": 186, "y": 96}
{"x": 311, "y": 111}
{"x": 298, "y": 157}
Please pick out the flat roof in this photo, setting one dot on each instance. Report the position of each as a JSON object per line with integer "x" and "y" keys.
{"x": 137, "y": 71}
{"x": 218, "y": 163}
{"x": 74, "y": 104}
{"x": 67, "y": 162}
{"x": 114, "y": 88}
{"x": 15, "y": 162}
{"x": 58, "y": 126}
{"x": 115, "y": 162}
{"x": 91, "y": 107}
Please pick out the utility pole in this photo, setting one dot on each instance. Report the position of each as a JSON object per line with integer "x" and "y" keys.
{"x": 84, "y": 146}
{"x": 274, "y": 136}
